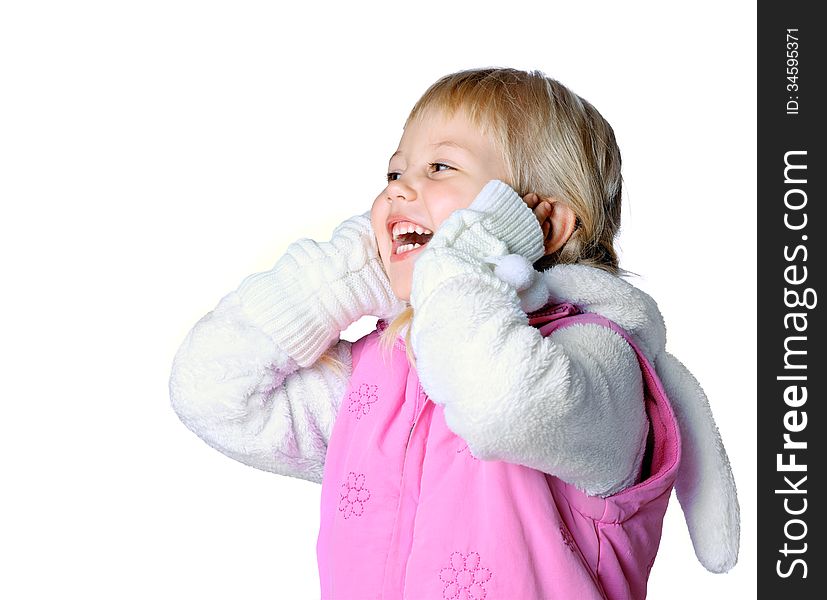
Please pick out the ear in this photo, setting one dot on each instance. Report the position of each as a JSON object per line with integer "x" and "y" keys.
{"x": 558, "y": 226}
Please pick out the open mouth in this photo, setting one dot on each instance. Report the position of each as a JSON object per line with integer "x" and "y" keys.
{"x": 408, "y": 237}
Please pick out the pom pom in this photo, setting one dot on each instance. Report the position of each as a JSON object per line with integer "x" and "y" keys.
{"x": 514, "y": 269}
{"x": 536, "y": 296}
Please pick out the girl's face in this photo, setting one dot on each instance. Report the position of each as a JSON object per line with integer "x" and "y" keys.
{"x": 440, "y": 166}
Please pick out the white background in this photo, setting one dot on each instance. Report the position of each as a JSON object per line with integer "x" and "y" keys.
{"x": 152, "y": 154}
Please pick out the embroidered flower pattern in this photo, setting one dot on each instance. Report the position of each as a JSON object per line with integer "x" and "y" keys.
{"x": 464, "y": 579}
{"x": 567, "y": 539}
{"x": 361, "y": 399}
{"x": 353, "y": 496}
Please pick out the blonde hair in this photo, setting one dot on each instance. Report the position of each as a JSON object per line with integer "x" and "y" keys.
{"x": 555, "y": 144}
{"x": 386, "y": 341}
{"x": 388, "y": 337}
{"x": 329, "y": 360}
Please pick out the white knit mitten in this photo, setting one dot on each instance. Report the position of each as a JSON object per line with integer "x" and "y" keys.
{"x": 498, "y": 223}
{"x": 317, "y": 289}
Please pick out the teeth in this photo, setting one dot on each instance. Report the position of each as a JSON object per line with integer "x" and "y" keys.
{"x": 407, "y": 227}
{"x": 407, "y": 247}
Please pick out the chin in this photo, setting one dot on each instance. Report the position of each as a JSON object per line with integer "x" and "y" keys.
{"x": 401, "y": 286}
{"x": 400, "y": 275}
{"x": 403, "y": 292}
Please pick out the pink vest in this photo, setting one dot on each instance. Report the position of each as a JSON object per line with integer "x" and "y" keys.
{"x": 408, "y": 512}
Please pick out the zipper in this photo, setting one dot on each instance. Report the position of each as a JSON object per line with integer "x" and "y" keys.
{"x": 419, "y": 408}
{"x": 417, "y": 412}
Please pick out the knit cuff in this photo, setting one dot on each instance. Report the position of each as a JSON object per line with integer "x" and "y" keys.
{"x": 511, "y": 219}
{"x": 278, "y": 305}
{"x": 303, "y": 304}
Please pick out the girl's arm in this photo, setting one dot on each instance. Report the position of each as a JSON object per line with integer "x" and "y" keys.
{"x": 570, "y": 404}
{"x": 248, "y": 380}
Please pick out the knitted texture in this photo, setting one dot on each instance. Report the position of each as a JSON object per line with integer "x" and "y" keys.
{"x": 473, "y": 240}
{"x": 317, "y": 289}
{"x": 497, "y": 222}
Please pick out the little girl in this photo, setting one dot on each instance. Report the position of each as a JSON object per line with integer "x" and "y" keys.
{"x": 514, "y": 425}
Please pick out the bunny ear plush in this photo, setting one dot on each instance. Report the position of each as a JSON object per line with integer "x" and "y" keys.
{"x": 704, "y": 486}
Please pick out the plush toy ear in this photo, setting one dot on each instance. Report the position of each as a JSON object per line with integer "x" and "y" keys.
{"x": 704, "y": 486}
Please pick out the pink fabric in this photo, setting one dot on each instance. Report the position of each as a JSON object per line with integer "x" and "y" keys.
{"x": 408, "y": 512}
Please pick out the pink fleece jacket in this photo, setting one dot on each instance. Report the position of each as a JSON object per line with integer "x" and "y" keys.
{"x": 408, "y": 512}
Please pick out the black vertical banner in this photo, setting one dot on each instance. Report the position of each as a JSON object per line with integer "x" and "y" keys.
{"x": 792, "y": 437}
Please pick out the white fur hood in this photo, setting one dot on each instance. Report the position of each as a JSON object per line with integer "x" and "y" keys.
{"x": 705, "y": 486}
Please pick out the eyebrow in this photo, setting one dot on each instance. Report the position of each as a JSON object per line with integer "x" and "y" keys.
{"x": 439, "y": 144}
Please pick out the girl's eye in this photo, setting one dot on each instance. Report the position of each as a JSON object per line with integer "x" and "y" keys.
{"x": 435, "y": 166}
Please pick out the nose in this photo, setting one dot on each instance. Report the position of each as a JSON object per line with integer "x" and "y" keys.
{"x": 398, "y": 189}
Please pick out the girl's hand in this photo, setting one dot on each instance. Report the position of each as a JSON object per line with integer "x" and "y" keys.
{"x": 496, "y": 223}
{"x": 495, "y": 226}
{"x": 542, "y": 210}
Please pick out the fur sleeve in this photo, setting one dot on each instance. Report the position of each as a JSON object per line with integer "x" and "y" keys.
{"x": 570, "y": 404}
{"x": 238, "y": 391}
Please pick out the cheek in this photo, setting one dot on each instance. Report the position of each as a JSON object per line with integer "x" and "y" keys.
{"x": 449, "y": 198}
{"x": 443, "y": 211}
{"x": 378, "y": 218}
{"x": 375, "y": 209}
